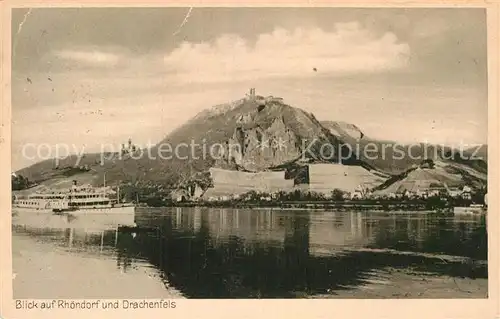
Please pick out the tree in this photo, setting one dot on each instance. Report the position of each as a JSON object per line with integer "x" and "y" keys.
{"x": 477, "y": 196}
{"x": 19, "y": 182}
{"x": 204, "y": 180}
{"x": 337, "y": 194}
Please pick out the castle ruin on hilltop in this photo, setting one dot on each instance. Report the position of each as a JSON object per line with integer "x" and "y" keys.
{"x": 251, "y": 96}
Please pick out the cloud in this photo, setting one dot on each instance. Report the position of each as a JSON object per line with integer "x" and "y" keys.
{"x": 348, "y": 49}
{"x": 92, "y": 57}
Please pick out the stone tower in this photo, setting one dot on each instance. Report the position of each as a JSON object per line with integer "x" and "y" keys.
{"x": 252, "y": 94}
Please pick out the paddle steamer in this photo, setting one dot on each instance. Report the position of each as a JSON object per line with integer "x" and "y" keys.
{"x": 79, "y": 202}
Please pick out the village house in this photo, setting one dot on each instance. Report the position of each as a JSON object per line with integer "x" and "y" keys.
{"x": 454, "y": 192}
{"x": 180, "y": 195}
{"x": 420, "y": 193}
{"x": 236, "y": 196}
{"x": 346, "y": 195}
{"x": 356, "y": 194}
{"x": 194, "y": 191}
{"x": 466, "y": 192}
{"x": 436, "y": 190}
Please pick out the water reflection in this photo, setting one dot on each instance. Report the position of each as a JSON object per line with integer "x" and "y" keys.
{"x": 75, "y": 240}
{"x": 241, "y": 253}
{"x": 230, "y": 253}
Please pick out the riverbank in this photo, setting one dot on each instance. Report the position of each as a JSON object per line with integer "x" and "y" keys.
{"x": 153, "y": 210}
{"x": 45, "y": 271}
{"x": 358, "y": 205}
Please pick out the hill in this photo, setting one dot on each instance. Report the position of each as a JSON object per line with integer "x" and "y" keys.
{"x": 251, "y": 134}
{"x": 247, "y": 134}
{"x": 395, "y": 158}
{"x": 438, "y": 175}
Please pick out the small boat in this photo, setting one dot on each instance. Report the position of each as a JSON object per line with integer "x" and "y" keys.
{"x": 474, "y": 209}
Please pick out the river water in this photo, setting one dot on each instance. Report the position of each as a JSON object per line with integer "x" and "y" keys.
{"x": 257, "y": 253}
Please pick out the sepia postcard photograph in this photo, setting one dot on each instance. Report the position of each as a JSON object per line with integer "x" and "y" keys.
{"x": 158, "y": 154}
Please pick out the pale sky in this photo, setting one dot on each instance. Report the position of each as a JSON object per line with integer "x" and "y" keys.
{"x": 101, "y": 75}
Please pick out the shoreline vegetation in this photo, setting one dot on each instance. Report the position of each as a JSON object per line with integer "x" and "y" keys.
{"x": 307, "y": 206}
{"x": 433, "y": 204}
